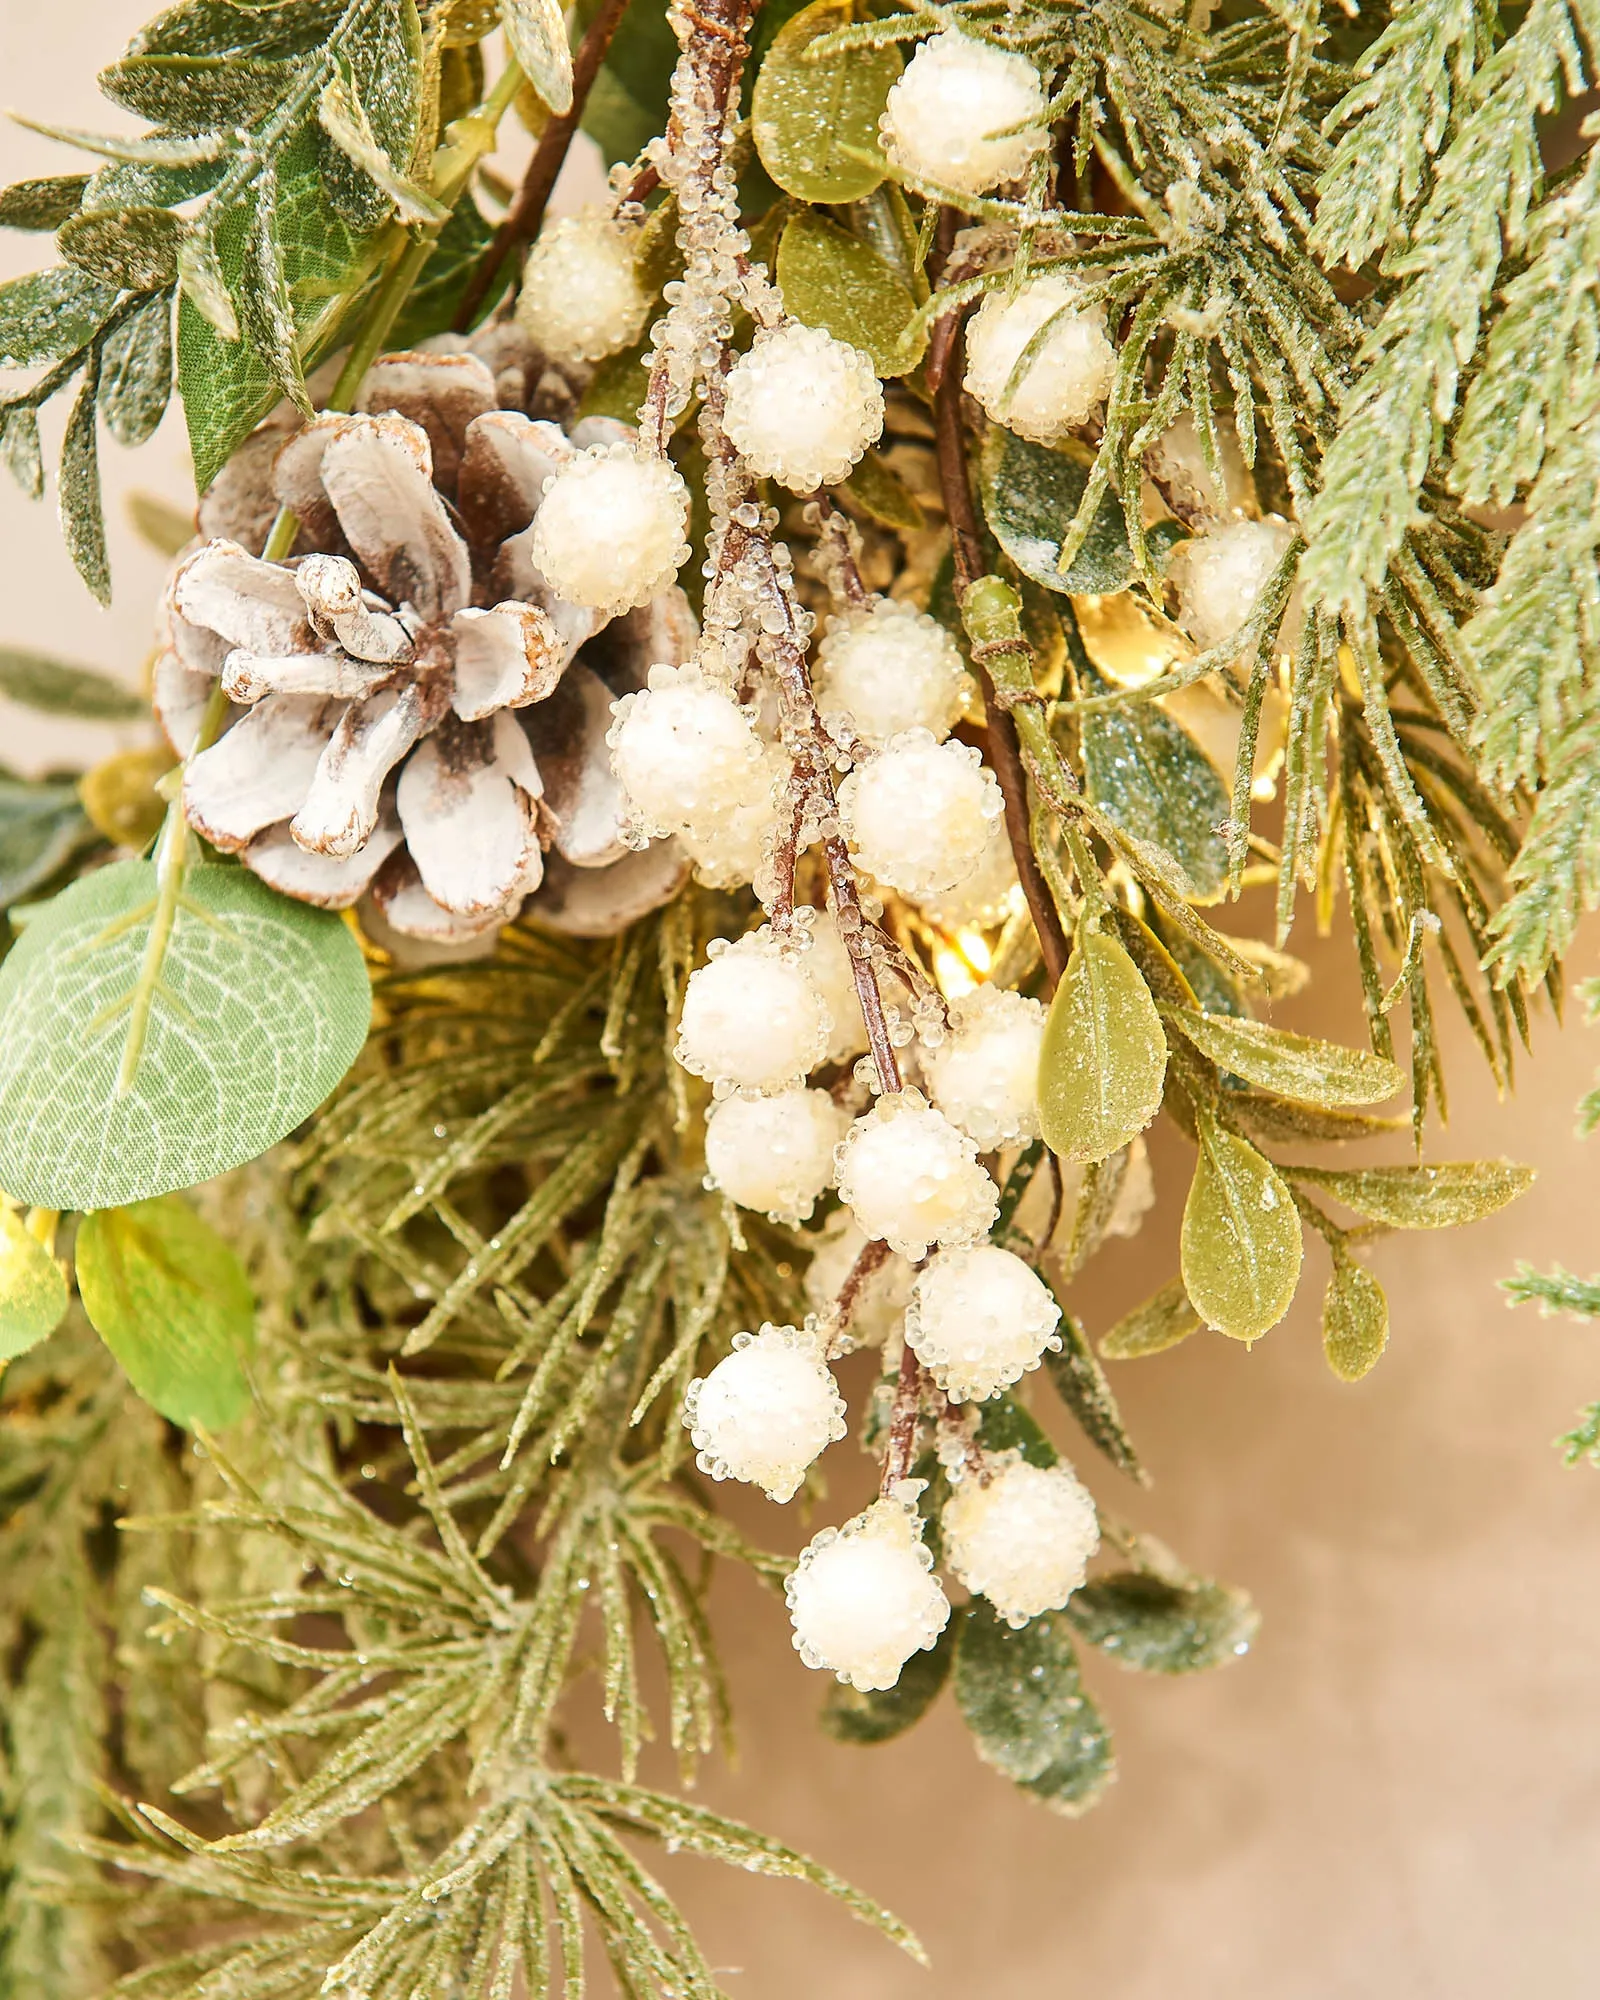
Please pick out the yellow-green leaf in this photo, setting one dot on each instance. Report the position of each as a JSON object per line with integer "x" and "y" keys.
{"x": 1241, "y": 1237}
{"x": 1437, "y": 1197}
{"x": 120, "y": 795}
{"x": 1161, "y": 1322}
{"x": 879, "y": 491}
{"x": 832, "y": 279}
{"x": 1355, "y": 1319}
{"x": 172, "y": 1302}
{"x": 1296, "y": 1066}
{"x": 1104, "y": 1058}
{"x": 811, "y": 118}
{"x": 537, "y": 32}
{"x": 33, "y": 1293}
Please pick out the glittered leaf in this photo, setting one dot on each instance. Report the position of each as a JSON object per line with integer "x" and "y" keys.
{"x": 1241, "y": 1244}
{"x": 877, "y": 490}
{"x": 1081, "y": 1384}
{"x": 134, "y": 249}
{"x": 221, "y": 1076}
{"x": 1436, "y": 1197}
{"x": 56, "y": 687}
{"x": 832, "y": 279}
{"x": 1030, "y": 494}
{"x": 42, "y": 204}
{"x": 1021, "y": 1695}
{"x": 194, "y": 92}
{"x": 172, "y": 1302}
{"x": 1161, "y": 1322}
{"x": 537, "y": 33}
{"x": 851, "y": 1716}
{"x": 1162, "y": 1627}
{"x": 50, "y": 313}
{"x": 1147, "y": 773}
{"x": 136, "y": 372}
{"x": 431, "y": 303}
{"x": 1004, "y": 1425}
{"x": 1355, "y": 1319}
{"x": 1104, "y": 1058}
{"x": 811, "y": 118}
{"x": 33, "y": 1293}
{"x": 83, "y": 523}
{"x": 41, "y": 827}
{"x": 1294, "y": 1066}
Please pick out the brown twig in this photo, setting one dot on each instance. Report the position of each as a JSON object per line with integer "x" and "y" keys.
{"x": 903, "y": 1420}
{"x": 526, "y": 214}
{"x": 870, "y": 1261}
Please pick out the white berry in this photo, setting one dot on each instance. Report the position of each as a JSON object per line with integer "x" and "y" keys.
{"x": 1070, "y": 374}
{"x": 1220, "y": 576}
{"x": 1024, "y": 1540}
{"x": 581, "y": 298}
{"x": 829, "y": 965}
{"x": 765, "y": 1411}
{"x": 774, "y": 1153}
{"x": 984, "y": 1076}
{"x": 891, "y": 668}
{"x": 919, "y": 813}
{"x": 609, "y": 532}
{"x": 986, "y": 896}
{"x": 979, "y": 1318}
{"x": 862, "y": 1598}
{"x": 733, "y": 847}
{"x": 802, "y": 407}
{"x": 906, "y": 1174}
{"x": 953, "y": 99}
{"x": 752, "y": 1019}
{"x": 684, "y": 752}
{"x": 879, "y": 1307}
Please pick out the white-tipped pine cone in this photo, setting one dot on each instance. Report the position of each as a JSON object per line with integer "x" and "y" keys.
{"x": 416, "y": 716}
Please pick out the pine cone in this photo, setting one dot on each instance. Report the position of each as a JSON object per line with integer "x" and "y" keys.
{"x": 416, "y": 715}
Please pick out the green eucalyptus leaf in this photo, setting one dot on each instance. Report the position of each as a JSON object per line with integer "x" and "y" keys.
{"x": 1103, "y": 1062}
{"x": 1355, "y": 1319}
{"x": 41, "y": 827}
{"x": 537, "y": 33}
{"x": 1030, "y": 494}
{"x": 852, "y": 1716}
{"x": 33, "y": 1293}
{"x": 56, "y": 687}
{"x": 50, "y": 313}
{"x": 1163, "y": 1627}
{"x": 1021, "y": 1695}
{"x": 1436, "y": 1197}
{"x": 135, "y": 249}
{"x": 83, "y": 521}
{"x": 1164, "y": 1319}
{"x": 172, "y": 1302}
{"x": 1145, "y": 771}
{"x": 1081, "y": 1384}
{"x": 136, "y": 373}
{"x": 832, "y": 279}
{"x": 811, "y": 118}
{"x": 1325, "y": 1074}
{"x": 260, "y": 1006}
{"x": 42, "y": 204}
{"x": 1241, "y": 1245}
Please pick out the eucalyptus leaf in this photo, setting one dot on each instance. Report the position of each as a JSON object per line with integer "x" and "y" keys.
{"x": 1325, "y": 1074}
{"x": 1158, "y": 1626}
{"x": 33, "y": 1293}
{"x": 57, "y": 687}
{"x": 1030, "y": 495}
{"x": 41, "y": 827}
{"x": 1164, "y": 1319}
{"x": 136, "y": 372}
{"x": 812, "y": 118}
{"x": 135, "y": 249}
{"x": 537, "y": 33}
{"x": 1021, "y": 1695}
{"x": 1081, "y": 1383}
{"x": 850, "y": 1715}
{"x": 1240, "y": 1247}
{"x": 42, "y": 204}
{"x": 1355, "y": 1319}
{"x": 259, "y": 1007}
{"x": 1421, "y": 1197}
{"x": 1103, "y": 1061}
{"x": 833, "y": 280}
{"x": 50, "y": 313}
{"x": 1144, "y": 770}
{"x": 172, "y": 1302}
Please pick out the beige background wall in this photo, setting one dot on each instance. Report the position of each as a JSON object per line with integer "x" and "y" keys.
{"x": 1397, "y": 1796}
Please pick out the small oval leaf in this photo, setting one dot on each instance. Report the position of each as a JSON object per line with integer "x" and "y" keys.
{"x": 1325, "y": 1074}
{"x": 833, "y": 280}
{"x": 1160, "y": 1627}
{"x": 1145, "y": 771}
{"x": 1241, "y": 1244}
{"x": 1355, "y": 1319}
{"x": 1030, "y": 494}
{"x": 1021, "y": 1695}
{"x": 811, "y": 118}
{"x": 1103, "y": 1062}
{"x": 33, "y": 1293}
{"x": 1161, "y": 1322}
{"x": 172, "y": 1302}
{"x": 1436, "y": 1197}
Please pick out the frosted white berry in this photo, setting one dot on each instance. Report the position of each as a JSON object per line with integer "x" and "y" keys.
{"x": 829, "y": 965}
{"x": 979, "y": 1318}
{"x": 880, "y": 1304}
{"x": 1221, "y": 574}
{"x": 952, "y": 101}
{"x": 581, "y": 298}
{"x": 1070, "y": 374}
{"x": 1024, "y": 1540}
{"x": 765, "y": 1411}
{"x": 918, "y": 814}
{"x": 684, "y": 752}
{"x": 752, "y": 1018}
{"x": 862, "y": 1598}
{"x": 774, "y": 1153}
{"x": 987, "y": 895}
{"x": 733, "y": 847}
{"x": 906, "y": 1174}
{"x": 802, "y": 407}
{"x": 984, "y": 1076}
{"x": 891, "y": 668}
{"x": 609, "y": 532}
